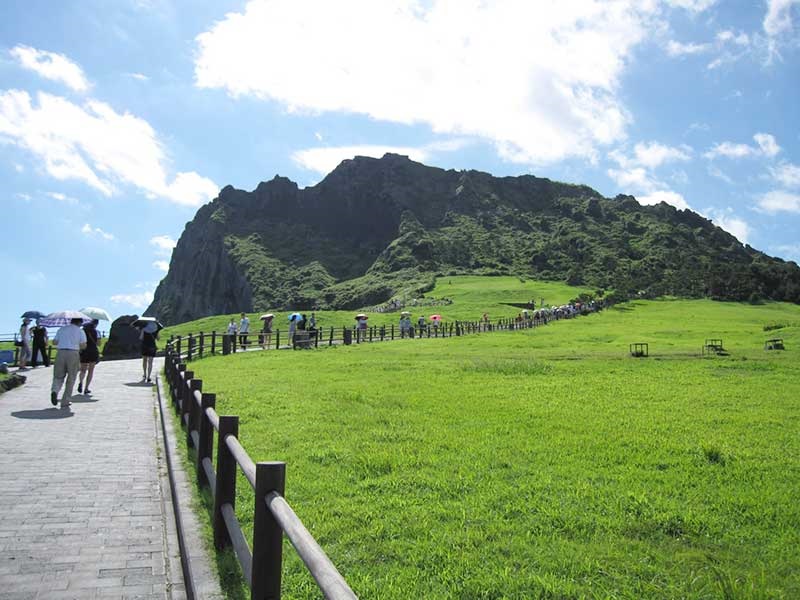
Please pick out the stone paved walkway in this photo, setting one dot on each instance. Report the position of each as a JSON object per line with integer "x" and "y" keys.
{"x": 84, "y": 501}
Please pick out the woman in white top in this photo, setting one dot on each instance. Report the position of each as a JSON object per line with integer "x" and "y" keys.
{"x": 25, "y": 349}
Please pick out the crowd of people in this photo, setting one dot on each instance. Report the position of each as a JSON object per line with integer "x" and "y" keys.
{"x": 78, "y": 352}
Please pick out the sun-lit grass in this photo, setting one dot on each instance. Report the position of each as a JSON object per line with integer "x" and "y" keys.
{"x": 539, "y": 463}
{"x": 472, "y": 296}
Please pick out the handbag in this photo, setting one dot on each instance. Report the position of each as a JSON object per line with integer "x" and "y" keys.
{"x": 17, "y": 342}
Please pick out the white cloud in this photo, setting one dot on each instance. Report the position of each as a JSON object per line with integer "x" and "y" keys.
{"x": 139, "y": 76}
{"x": 778, "y": 19}
{"x": 715, "y": 172}
{"x": 325, "y": 160}
{"x": 25, "y": 197}
{"x": 636, "y": 172}
{"x": 786, "y": 174}
{"x": 765, "y": 146}
{"x": 137, "y": 300}
{"x": 50, "y": 65}
{"x": 161, "y": 265}
{"x": 726, "y": 220}
{"x": 769, "y": 147}
{"x": 538, "y": 79}
{"x": 635, "y": 179}
{"x": 164, "y": 244}
{"x": 680, "y": 49}
{"x": 740, "y": 39}
{"x": 668, "y": 196}
{"x": 692, "y": 5}
{"x": 788, "y": 251}
{"x": 61, "y": 197}
{"x": 19, "y": 168}
{"x": 98, "y": 146}
{"x": 96, "y": 232}
{"x": 779, "y": 201}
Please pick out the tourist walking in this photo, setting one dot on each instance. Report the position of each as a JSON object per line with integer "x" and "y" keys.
{"x": 25, "y": 349}
{"x": 244, "y": 329}
{"x": 90, "y": 356}
{"x": 292, "y": 328}
{"x": 39, "y": 344}
{"x": 266, "y": 332}
{"x": 69, "y": 341}
{"x": 148, "y": 337}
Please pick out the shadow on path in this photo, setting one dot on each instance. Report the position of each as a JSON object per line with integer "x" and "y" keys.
{"x": 45, "y": 413}
{"x": 140, "y": 384}
{"x": 84, "y": 399}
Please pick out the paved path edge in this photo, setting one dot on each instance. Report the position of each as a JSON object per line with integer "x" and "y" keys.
{"x": 192, "y": 554}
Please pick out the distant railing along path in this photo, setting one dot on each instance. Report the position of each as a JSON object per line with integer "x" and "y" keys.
{"x": 198, "y": 345}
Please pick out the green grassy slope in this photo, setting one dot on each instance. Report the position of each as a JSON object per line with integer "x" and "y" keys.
{"x": 541, "y": 463}
{"x": 472, "y": 296}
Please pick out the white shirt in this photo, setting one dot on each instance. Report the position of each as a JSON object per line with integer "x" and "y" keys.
{"x": 244, "y": 325}
{"x": 70, "y": 337}
{"x": 231, "y": 328}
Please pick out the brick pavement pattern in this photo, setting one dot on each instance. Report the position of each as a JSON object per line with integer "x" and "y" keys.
{"x": 84, "y": 504}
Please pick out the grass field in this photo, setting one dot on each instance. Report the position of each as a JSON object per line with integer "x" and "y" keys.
{"x": 541, "y": 463}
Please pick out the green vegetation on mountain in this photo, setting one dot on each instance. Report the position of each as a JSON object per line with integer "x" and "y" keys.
{"x": 374, "y": 229}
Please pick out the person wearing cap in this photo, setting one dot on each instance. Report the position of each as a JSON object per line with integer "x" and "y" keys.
{"x": 244, "y": 329}
{"x": 69, "y": 341}
{"x": 25, "y": 348}
{"x": 39, "y": 344}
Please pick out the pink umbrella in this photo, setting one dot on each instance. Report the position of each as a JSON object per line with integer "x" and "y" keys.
{"x": 436, "y": 317}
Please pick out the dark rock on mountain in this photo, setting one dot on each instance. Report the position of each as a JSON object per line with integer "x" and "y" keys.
{"x": 377, "y": 228}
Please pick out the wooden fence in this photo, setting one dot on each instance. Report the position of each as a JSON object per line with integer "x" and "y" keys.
{"x": 272, "y": 515}
{"x": 198, "y": 345}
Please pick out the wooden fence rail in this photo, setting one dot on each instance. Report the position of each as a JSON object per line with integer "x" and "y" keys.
{"x": 272, "y": 515}
{"x": 201, "y": 344}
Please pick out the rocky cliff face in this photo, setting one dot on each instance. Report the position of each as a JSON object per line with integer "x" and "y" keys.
{"x": 374, "y": 228}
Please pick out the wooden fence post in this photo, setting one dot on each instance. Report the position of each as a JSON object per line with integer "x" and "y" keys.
{"x": 206, "y": 438}
{"x": 226, "y": 480}
{"x": 178, "y": 396}
{"x": 214, "y": 341}
{"x": 178, "y": 347}
{"x": 190, "y": 349}
{"x": 330, "y": 341}
{"x": 267, "y": 534}
{"x": 202, "y": 340}
{"x": 187, "y": 387}
{"x": 277, "y": 339}
{"x": 195, "y": 385}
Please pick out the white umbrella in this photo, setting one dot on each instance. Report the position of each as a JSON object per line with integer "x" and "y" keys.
{"x": 63, "y": 317}
{"x": 266, "y": 316}
{"x": 96, "y": 313}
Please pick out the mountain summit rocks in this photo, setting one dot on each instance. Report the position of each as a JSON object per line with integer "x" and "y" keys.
{"x": 377, "y": 228}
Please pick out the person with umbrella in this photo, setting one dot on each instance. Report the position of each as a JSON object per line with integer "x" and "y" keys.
{"x": 148, "y": 337}
{"x": 69, "y": 341}
{"x": 266, "y": 330}
{"x": 39, "y": 344}
{"x": 89, "y": 356}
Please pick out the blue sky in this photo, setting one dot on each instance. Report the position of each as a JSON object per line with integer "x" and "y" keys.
{"x": 119, "y": 119}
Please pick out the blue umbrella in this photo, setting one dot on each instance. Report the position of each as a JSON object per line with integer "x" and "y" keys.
{"x": 32, "y": 314}
{"x": 295, "y": 317}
